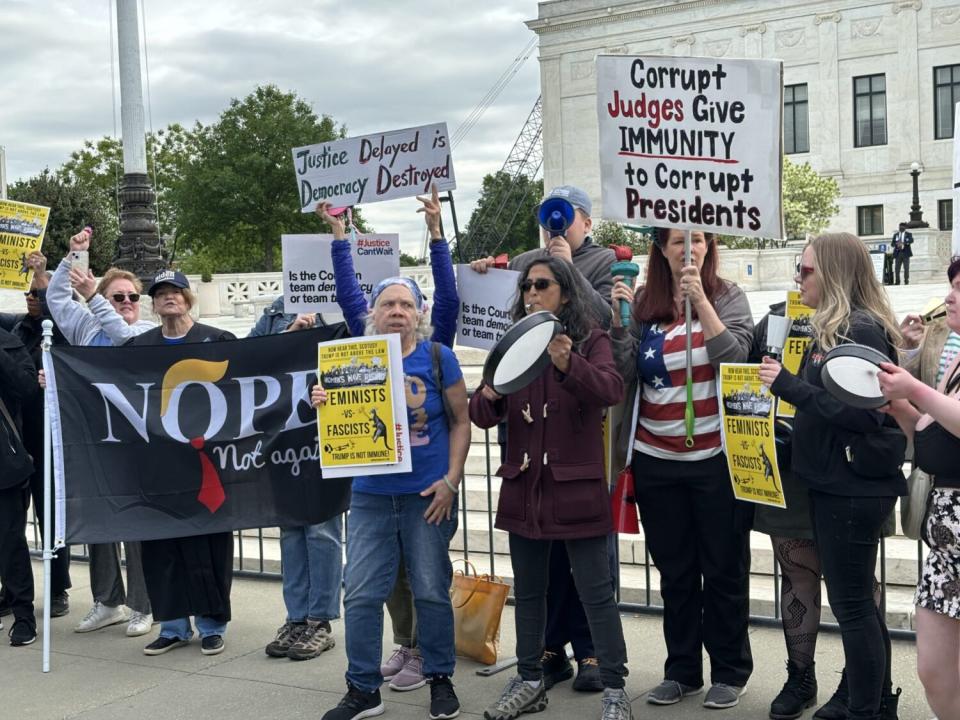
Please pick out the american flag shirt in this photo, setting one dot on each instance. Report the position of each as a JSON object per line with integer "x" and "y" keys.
{"x": 662, "y": 370}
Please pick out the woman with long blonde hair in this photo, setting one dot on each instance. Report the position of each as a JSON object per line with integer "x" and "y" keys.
{"x": 851, "y": 492}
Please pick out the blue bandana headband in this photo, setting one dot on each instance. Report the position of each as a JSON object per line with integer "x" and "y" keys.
{"x": 407, "y": 283}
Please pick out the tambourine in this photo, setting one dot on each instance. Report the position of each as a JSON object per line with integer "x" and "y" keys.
{"x": 850, "y": 373}
{"x": 521, "y": 354}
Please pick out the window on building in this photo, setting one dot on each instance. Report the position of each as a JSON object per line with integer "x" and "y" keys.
{"x": 945, "y": 214}
{"x": 870, "y": 110}
{"x": 946, "y": 95}
{"x": 796, "y": 127}
{"x": 869, "y": 220}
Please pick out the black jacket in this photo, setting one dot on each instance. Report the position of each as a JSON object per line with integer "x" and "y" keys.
{"x": 906, "y": 250}
{"x": 824, "y": 426}
{"x": 18, "y": 380}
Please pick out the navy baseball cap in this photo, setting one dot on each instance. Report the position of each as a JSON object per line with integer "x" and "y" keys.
{"x": 168, "y": 277}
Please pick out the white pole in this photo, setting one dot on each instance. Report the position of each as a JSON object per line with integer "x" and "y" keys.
{"x": 131, "y": 89}
{"x": 3, "y": 173}
{"x": 48, "y": 554}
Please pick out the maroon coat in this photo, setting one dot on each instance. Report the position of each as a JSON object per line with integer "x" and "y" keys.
{"x": 553, "y": 482}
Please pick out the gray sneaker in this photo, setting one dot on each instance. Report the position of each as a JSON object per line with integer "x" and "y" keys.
{"x": 315, "y": 639}
{"x": 287, "y": 635}
{"x": 721, "y": 696}
{"x": 670, "y": 692}
{"x": 517, "y": 698}
{"x": 616, "y": 705}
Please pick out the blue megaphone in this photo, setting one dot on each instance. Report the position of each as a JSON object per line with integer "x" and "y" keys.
{"x": 555, "y": 215}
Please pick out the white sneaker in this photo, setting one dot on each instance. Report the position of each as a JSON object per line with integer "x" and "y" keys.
{"x": 100, "y": 616}
{"x": 140, "y": 624}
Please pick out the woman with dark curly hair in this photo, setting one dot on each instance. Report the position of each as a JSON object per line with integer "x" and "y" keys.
{"x": 554, "y": 486}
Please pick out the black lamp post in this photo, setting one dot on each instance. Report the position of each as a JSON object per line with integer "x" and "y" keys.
{"x": 916, "y": 214}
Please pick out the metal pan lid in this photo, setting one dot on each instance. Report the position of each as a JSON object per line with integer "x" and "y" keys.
{"x": 521, "y": 354}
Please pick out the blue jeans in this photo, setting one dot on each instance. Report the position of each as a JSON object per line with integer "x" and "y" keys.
{"x": 181, "y": 629}
{"x": 380, "y": 529}
{"x": 312, "y": 558}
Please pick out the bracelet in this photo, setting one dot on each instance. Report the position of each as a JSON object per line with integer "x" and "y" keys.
{"x": 446, "y": 481}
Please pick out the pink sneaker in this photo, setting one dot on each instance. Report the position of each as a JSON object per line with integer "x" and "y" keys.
{"x": 410, "y": 676}
{"x": 395, "y": 664}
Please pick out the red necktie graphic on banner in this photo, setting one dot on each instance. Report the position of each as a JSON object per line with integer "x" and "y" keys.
{"x": 211, "y": 493}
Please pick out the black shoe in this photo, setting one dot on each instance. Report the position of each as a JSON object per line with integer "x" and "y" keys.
{"x": 59, "y": 604}
{"x": 443, "y": 700}
{"x": 556, "y": 668}
{"x": 836, "y": 707}
{"x": 164, "y": 644}
{"x": 798, "y": 693}
{"x": 23, "y": 632}
{"x": 356, "y": 704}
{"x": 588, "y": 676}
{"x": 211, "y": 645}
{"x": 888, "y": 705}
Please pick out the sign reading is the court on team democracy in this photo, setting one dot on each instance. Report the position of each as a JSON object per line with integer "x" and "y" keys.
{"x": 371, "y": 168}
{"x": 691, "y": 143}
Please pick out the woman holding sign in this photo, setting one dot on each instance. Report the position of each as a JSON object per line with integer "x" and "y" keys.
{"x": 696, "y": 530}
{"x": 554, "y": 486}
{"x": 849, "y": 499}
{"x": 403, "y": 518}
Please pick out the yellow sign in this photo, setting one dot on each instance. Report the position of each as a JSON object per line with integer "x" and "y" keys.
{"x": 798, "y": 337}
{"x": 21, "y": 232}
{"x": 746, "y": 414}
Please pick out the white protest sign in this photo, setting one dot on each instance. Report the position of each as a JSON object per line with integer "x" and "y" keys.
{"x": 371, "y": 168}
{"x": 486, "y": 300}
{"x": 691, "y": 143}
{"x": 956, "y": 179}
{"x": 309, "y": 285}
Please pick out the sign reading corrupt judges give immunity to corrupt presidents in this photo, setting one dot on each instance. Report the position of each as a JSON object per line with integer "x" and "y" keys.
{"x": 21, "y": 232}
{"x": 691, "y": 143}
{"x": 363, "y": 424}
{"x": 371, "y": 168}
{"x": 309, "y": 285}
{"x": 485, "y": 303}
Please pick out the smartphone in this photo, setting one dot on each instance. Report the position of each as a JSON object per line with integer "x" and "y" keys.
{"x": 80, "y": 259}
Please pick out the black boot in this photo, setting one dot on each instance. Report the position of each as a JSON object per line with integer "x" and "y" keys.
{"x": 798, "y": 693}
{"x": 888, "y": 705}
{"x": 836, "y": 707}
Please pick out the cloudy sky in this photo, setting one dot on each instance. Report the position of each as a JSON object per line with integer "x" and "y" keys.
{"x": 389, "y": 64}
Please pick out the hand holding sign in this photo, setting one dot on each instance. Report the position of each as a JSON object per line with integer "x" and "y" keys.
{"x": 691, "y": 286}
{"x": 431, "y": 212}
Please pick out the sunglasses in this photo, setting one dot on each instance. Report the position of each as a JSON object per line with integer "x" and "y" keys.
{"x": 540, "y": 284}
{"x": 120, "y": 297}
{"x": 31, "y": 293}
{"x": 804, "y": 271}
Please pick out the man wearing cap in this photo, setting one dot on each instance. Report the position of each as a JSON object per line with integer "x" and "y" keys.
{"x": 591, "y": 261}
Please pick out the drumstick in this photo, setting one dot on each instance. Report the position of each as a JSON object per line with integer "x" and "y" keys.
{"x": 688, "y": 416}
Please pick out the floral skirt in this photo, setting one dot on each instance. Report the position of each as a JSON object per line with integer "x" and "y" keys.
{"x": 939, "y": 586}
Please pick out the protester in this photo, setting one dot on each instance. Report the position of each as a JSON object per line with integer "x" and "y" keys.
{"x": 18, "y": 378}
{"x": 28, "y": 328}
{"x": 695, "y": 529}
{"x": 404, "y": 669}
{"x": 849, "y": 501}
{"x": 188, "y": 575}
{"x": 932, "y": 419}
{"x": 403, "y": 517}
{"x": 554, "y": 486}
{"x": 110, "y": 317}
{"x": 566, "y": 619}
{"x": 311, "y": 555}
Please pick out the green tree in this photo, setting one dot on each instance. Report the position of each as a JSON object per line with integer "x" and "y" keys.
{"x": 237, "y": 194}
{"x": 511, "y": 231}
{"x": 72, "y": 206}
{"x": 809, "y": 200}
{"x": 411, "y": 261}
{"x": 608, "y": 232}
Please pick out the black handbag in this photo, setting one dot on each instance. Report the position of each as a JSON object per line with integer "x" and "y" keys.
{"x": 16, "y": 465}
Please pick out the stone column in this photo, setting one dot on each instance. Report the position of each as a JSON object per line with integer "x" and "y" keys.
{"x": 753, "y": 40}
{"x": 828, "y": 93}
{"x": 907, "y": 78}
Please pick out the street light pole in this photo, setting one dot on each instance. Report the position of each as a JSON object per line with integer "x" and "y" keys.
{"x": 916, "y": 214}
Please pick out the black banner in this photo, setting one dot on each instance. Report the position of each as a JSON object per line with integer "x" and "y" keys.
{"x": 179, "y": 440}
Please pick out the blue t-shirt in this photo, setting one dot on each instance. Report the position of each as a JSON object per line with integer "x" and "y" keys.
{"x": 429, "y": 435}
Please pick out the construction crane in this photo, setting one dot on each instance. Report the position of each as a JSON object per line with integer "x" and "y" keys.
{"x": 488, "y": 231}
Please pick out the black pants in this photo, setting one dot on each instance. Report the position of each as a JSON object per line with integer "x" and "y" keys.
{"x": 902, "y": 261}
{"x": 15, "y": 566}
{"x": 588, "y": 560}
{"x": 566, "y": 620}
{"x": 847, "y": 533}
{"x": 698, "y": 536}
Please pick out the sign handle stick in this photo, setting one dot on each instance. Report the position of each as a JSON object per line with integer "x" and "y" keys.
{"x": 688, "y": 416}
{"x": 47, "y": 501}
{"x": 456, "y": 226}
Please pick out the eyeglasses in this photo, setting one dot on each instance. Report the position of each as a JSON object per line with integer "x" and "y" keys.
{"x": 120, "y": 297}
{"x": 31, "y": 293}
{"x": 804, "y": 271}
{"x": 540, "y": 284}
